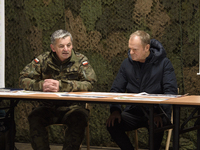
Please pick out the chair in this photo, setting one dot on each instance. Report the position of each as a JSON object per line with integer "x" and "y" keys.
{"x": 87, "y": 131}
{"x": 136, "y": 138}
{"x": 169, "y": 134}
{"x": 170, "y": 131}
{"x": 168, "y": 137}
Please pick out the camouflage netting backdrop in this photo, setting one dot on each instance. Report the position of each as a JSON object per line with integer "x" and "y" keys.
{"x": 101, "y": 29}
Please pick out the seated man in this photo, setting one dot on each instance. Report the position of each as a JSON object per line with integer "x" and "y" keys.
{"x": 61, "y": 70}
{"x": 147, "y": 69}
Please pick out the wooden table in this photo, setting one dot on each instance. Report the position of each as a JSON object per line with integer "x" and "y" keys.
{"x": 185, "y": 101}
{"x": 89, "y": 97}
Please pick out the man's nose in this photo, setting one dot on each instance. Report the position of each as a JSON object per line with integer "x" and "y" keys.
{"x": 65, "y": 48}
{"x": 131, "y": 52}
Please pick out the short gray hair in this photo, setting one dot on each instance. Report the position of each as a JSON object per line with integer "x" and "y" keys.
{"x": 58, "y": 34}
{"x": 144, "y": 36}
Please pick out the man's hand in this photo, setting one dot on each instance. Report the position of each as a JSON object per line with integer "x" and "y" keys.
{"x": 50, "y": 85}
{"x": 158, "y": 121}
{"x": 113, "y": 116}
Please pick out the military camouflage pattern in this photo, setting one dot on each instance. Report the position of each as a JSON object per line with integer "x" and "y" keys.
{"x": 74, "y": 117}
{"x": 72, "y": 75}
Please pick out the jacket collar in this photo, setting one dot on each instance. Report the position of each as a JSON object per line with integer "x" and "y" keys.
{"x": 157, "y": 52}
{"x": 57, "y": 61}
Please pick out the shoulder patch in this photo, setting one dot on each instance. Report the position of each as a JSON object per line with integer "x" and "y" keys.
{"x": 85, "y": 63}
{"x": 36, "y": 60}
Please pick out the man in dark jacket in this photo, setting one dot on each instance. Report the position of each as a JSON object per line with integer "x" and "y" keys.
{"x": 147, "y": 69}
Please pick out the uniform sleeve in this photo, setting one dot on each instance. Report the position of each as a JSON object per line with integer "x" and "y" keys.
{"x": 30, "y": 77}
{"x": 87, "y": 78}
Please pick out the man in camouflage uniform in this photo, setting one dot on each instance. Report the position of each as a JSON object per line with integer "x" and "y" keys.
{"x": 60, "y": 70}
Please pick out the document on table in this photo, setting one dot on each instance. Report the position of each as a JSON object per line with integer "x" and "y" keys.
{"x": 82, "y": 96}
{"x": 24, "y": 92}
{"x": 148, "y": 97}
{"x": 141, "y": 98}
{"x": 108, "y": 93}
{"x": 157, "y": 95}
{"x": 98, "y": 94}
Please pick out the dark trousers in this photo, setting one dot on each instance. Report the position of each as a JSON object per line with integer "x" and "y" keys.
{"x": 5, "y": 137}
{"x": 74, "y": 117}
{"x": 131, "y": 122}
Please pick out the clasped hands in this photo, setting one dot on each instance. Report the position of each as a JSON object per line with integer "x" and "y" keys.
{"x": 50, "y": 85}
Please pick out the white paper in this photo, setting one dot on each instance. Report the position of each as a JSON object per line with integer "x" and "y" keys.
{"x": 2, "y": 45}
{"x": 141, "y": 98}
{"x": 109, "y": 93}
{"x": 81, "y": 96}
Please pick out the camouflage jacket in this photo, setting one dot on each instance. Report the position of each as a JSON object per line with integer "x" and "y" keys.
{"x": 74, "y": 75}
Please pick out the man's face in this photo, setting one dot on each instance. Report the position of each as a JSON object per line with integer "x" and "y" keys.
{"x": 137, "y": 51}
{"x": 63, "y": 48}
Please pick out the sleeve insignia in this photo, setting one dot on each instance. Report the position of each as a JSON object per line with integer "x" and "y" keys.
{"x": 36, "y": 60}
{"x": 85, "y": 63}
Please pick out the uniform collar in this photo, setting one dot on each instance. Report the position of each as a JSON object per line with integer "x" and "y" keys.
{"x": 57, "y": 61}
{"x": 73, "y": 57}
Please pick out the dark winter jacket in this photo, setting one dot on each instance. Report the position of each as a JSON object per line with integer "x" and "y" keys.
{"x": 155, "y": 76}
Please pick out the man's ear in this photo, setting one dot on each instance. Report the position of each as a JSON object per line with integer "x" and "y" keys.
{"x": 52, "y": 47}
{"x": 147, "y": 47}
